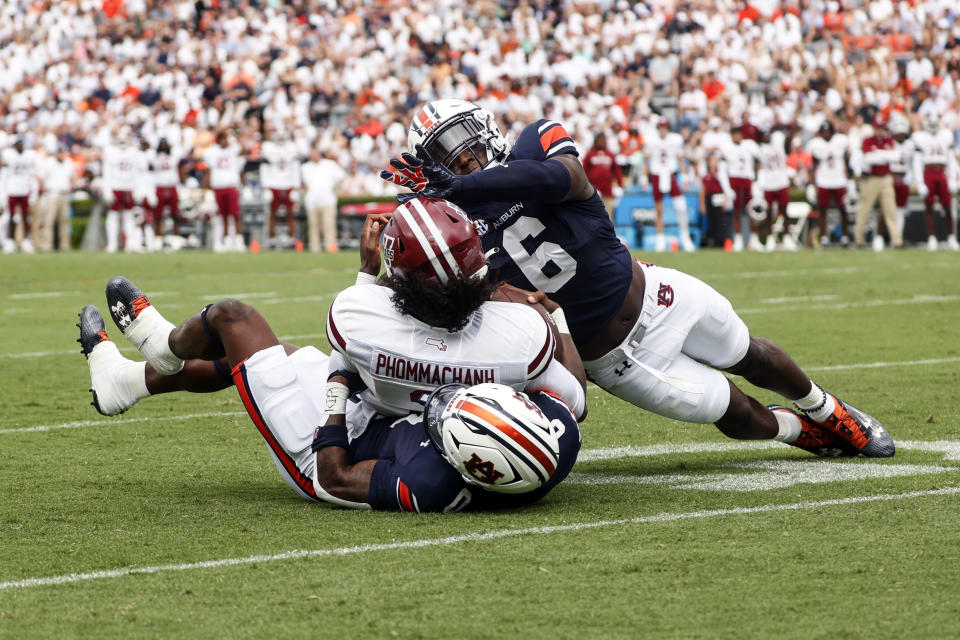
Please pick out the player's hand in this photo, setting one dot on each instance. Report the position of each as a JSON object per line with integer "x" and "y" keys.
{"x": 370, "y": 242}
{"x": 422, "y": 175}
{"x": 922, "y": 189}
{"x": 108, "y": 197}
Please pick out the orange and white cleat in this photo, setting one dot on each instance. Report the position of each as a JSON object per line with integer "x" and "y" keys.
{"x": 816, "y": 439}
{"x": 859, "y": 428}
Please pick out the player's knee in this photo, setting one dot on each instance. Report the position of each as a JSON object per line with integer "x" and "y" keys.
{"x": 760, "y": 356}
{"x": 229, "y": 310}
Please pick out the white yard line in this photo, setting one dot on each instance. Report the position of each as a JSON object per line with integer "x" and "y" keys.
{"x": 111, "y": 421}
{"x": 921, "y": 299}
{"x": 479, "y": 536}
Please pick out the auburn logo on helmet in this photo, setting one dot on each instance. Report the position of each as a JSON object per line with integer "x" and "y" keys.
{"x": 482, "y": 470}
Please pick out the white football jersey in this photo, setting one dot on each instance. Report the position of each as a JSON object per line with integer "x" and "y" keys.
{"x": 740, "y": 159}
{"x": 123, "y": 168}
{"x": 225, "y": 165}
{"x": 830, "y": 155}
{"x": 934, "y": 148}
{"x": 21, "y": 168}
{"x": 282, "y": 169}
{"x": 903, "y": 152}
{"x": 401, "y": 360}
{"x": 774, "y": 172}
{"x": 166, "y": 168}
{"x": 664, "y": 153}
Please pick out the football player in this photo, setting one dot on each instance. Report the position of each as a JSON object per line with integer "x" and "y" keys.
{"x": 281, "y": 175}
{"x": 740, "y": 157}
{"x": 878, "y": 151}
{"x": 526, "y": 444}
{"x": 934, "y": 170}
{"x": 169, "y": 172}
{"x": 224, "y": 175}
{"x": 664, "y": 153}
{"x": 830, "y": 161}
{"x": 774, "y": 180}
{"x": 655, "y": 337}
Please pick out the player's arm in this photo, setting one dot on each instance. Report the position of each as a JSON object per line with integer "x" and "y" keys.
{"x": 335, "y": 478}
{"x": 557, "y": 179}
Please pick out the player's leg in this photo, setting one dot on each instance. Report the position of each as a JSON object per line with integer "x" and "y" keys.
{"x": 888, "y": 209}
{"x": 869, "y": 192}
{"x": 118, "y": 383}
{"x": 661, "y": 242}
{"x": 683, "y": 222}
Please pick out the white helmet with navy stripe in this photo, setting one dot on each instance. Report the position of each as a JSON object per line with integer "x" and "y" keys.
{"x": 447, "y": 128}
{"x": 494, "y": 436}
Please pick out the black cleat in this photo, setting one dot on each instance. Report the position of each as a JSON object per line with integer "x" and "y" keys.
{"x": 92, "y": 329}
{"x": 125, "y": 301}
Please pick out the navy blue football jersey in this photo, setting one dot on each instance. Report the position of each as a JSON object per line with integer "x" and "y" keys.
{"x": 411, "y": 475}
{"x": 568, "y": 249}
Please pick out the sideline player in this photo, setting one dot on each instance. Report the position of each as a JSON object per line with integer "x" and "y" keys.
{"x": 830, "y": 160}
{"x": 169, "y": 173}
{"x": 653, "y": 336}
{"x": 281, "y": 175}
{"x": 934, "y": 167}
{"x": 740, "y": 156}
{"x": 224, "y": 175}
{"x": 664, "y": 152}
{"x": 878, "y": 152}
{"x": 774, "y": 180}
{"x": 19, "y": 183}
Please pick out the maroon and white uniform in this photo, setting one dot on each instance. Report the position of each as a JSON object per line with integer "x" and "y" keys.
{"x": 740, "y": 159}
{"x": 933, "y": 163}
{"x": 774, "y": 177}
{"x": 166, "y": 179}
{"x": 225, "y": 165}
{"x": 122, "y": 170}
{"x": 401, "y": 360}
{"x": 830, "y": 176}
{"x": 19, "y": 176}
{"x": 281, "y": 172}
{"x": 663, "y": 155}
{"x": 900, "y": 168}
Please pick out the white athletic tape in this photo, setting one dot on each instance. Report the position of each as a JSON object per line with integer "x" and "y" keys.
{"x": 468, "y": 537}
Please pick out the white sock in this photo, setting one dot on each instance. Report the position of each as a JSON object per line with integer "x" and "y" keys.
{"x": 789, "y": 426}
{"x": 231, "y": 227}
{"x": 150, "y": 333}
{"x": 149, "y": 238}
{"x": 817, "y": 404}
{"x": 4, "y": 226}
{"x": 112, "y": 225}
{"x": 680, "y": 207}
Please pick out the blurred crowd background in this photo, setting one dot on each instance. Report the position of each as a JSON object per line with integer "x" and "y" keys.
{"x": 343, "y": 78}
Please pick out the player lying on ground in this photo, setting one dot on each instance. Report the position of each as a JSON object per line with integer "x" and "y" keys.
{"x": 655, "y": 337}
{"x": 481, "y": 447}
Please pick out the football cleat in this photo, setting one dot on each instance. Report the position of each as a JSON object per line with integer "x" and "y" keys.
{"x": 861, "y": 430}
{"x": 142, "y": 325}
{"x": 816, "y": 439}
{"x": 110, "y": 372}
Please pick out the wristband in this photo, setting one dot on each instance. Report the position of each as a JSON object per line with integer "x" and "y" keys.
{"x": 335, "y": 401}
{"x": 560, "y": 320}
{"x": 335, "y": 436}
{"x": 365, "y": 278}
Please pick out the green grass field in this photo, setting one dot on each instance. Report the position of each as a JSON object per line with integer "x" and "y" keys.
{"x": 171, "y": 521}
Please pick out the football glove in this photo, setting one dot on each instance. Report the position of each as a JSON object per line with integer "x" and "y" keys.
{"x": 422, "y": 175}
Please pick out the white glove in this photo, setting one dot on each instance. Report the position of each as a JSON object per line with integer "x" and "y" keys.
{"x": 108, "y": 196}
{"x": 922, "y": 189}
{"x": 644, "y": 182}
{"x": 268, "y": 195}
{"x": 151, "y": 197}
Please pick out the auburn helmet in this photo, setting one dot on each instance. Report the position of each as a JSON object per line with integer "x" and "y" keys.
{"x": 447, "y": 128}
{"x": 434, "y": 239}
{"x": 494, "y": 436}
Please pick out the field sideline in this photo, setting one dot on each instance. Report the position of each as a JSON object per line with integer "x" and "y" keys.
{"x": 172, "y": 521}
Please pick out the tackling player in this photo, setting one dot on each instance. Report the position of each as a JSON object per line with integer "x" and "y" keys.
{"x": 655, "y": 337}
